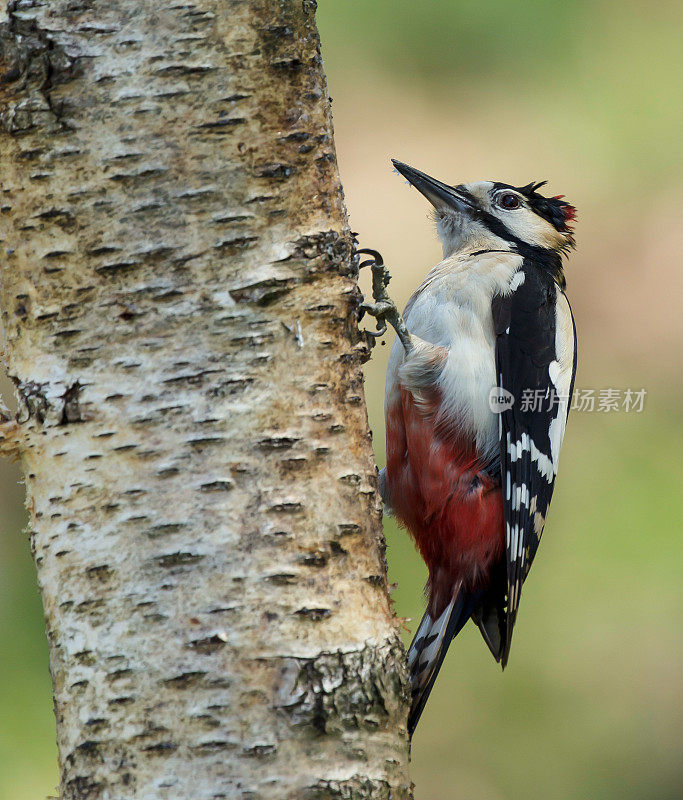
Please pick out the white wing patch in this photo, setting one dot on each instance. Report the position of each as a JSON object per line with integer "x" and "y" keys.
{"x": 517, "y": 280}
{"x": 560, "y": 372}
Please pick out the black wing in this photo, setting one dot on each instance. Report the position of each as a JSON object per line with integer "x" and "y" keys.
{"x": 536, "y": 362}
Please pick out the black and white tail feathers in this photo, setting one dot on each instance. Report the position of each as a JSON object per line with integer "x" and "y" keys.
{"x": 429, "y": 647}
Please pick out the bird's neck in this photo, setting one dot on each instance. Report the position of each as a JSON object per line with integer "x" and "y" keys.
{"x": 546, "y": 259}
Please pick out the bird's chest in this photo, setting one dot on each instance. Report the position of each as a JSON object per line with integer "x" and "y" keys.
{"x": 454, "y": 311}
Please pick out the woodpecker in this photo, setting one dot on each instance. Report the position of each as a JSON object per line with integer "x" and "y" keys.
{"x": 478, "y": 389}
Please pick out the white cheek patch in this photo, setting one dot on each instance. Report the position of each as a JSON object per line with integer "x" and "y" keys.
{"x": 529, "y": 227}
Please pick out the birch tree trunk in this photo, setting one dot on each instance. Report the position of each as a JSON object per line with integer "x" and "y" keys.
{"x": 179, "y": 305}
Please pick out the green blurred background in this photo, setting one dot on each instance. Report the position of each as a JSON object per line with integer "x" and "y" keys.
{"x": 585, "y": 94}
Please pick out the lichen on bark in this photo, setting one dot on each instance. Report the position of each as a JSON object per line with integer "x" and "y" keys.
{"x": 179, "y": 305}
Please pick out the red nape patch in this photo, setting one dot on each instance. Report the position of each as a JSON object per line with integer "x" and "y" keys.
{"x": 438, "y": 489}
{"x": 568, "y": 211}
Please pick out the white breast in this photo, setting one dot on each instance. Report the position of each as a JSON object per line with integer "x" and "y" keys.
{"x": 452, "y": 309}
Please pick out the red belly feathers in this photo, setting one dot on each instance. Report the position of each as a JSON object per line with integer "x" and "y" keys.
{"x": 437, "y": 487}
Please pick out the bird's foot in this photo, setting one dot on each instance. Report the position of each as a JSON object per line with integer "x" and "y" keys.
{"x": 383, "y": 309}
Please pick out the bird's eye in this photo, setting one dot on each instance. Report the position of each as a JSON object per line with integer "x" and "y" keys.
{"x": 508, "y": 201}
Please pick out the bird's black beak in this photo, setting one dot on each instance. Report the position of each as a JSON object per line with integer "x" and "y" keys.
{"x": 440, "y": 195}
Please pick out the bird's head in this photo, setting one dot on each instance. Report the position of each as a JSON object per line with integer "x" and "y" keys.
{"x": 492, "y": 215}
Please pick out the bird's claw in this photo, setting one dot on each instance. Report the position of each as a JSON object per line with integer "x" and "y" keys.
{"x": 383, "y": 309}
{"x": 379, "y": 311}
{"x": 381, "y": 325}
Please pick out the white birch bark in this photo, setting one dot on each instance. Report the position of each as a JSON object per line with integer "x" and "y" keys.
{"x": 178, "y": 304}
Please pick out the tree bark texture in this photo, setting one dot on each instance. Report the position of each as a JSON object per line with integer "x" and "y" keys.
{"x": 179, "y": 305}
